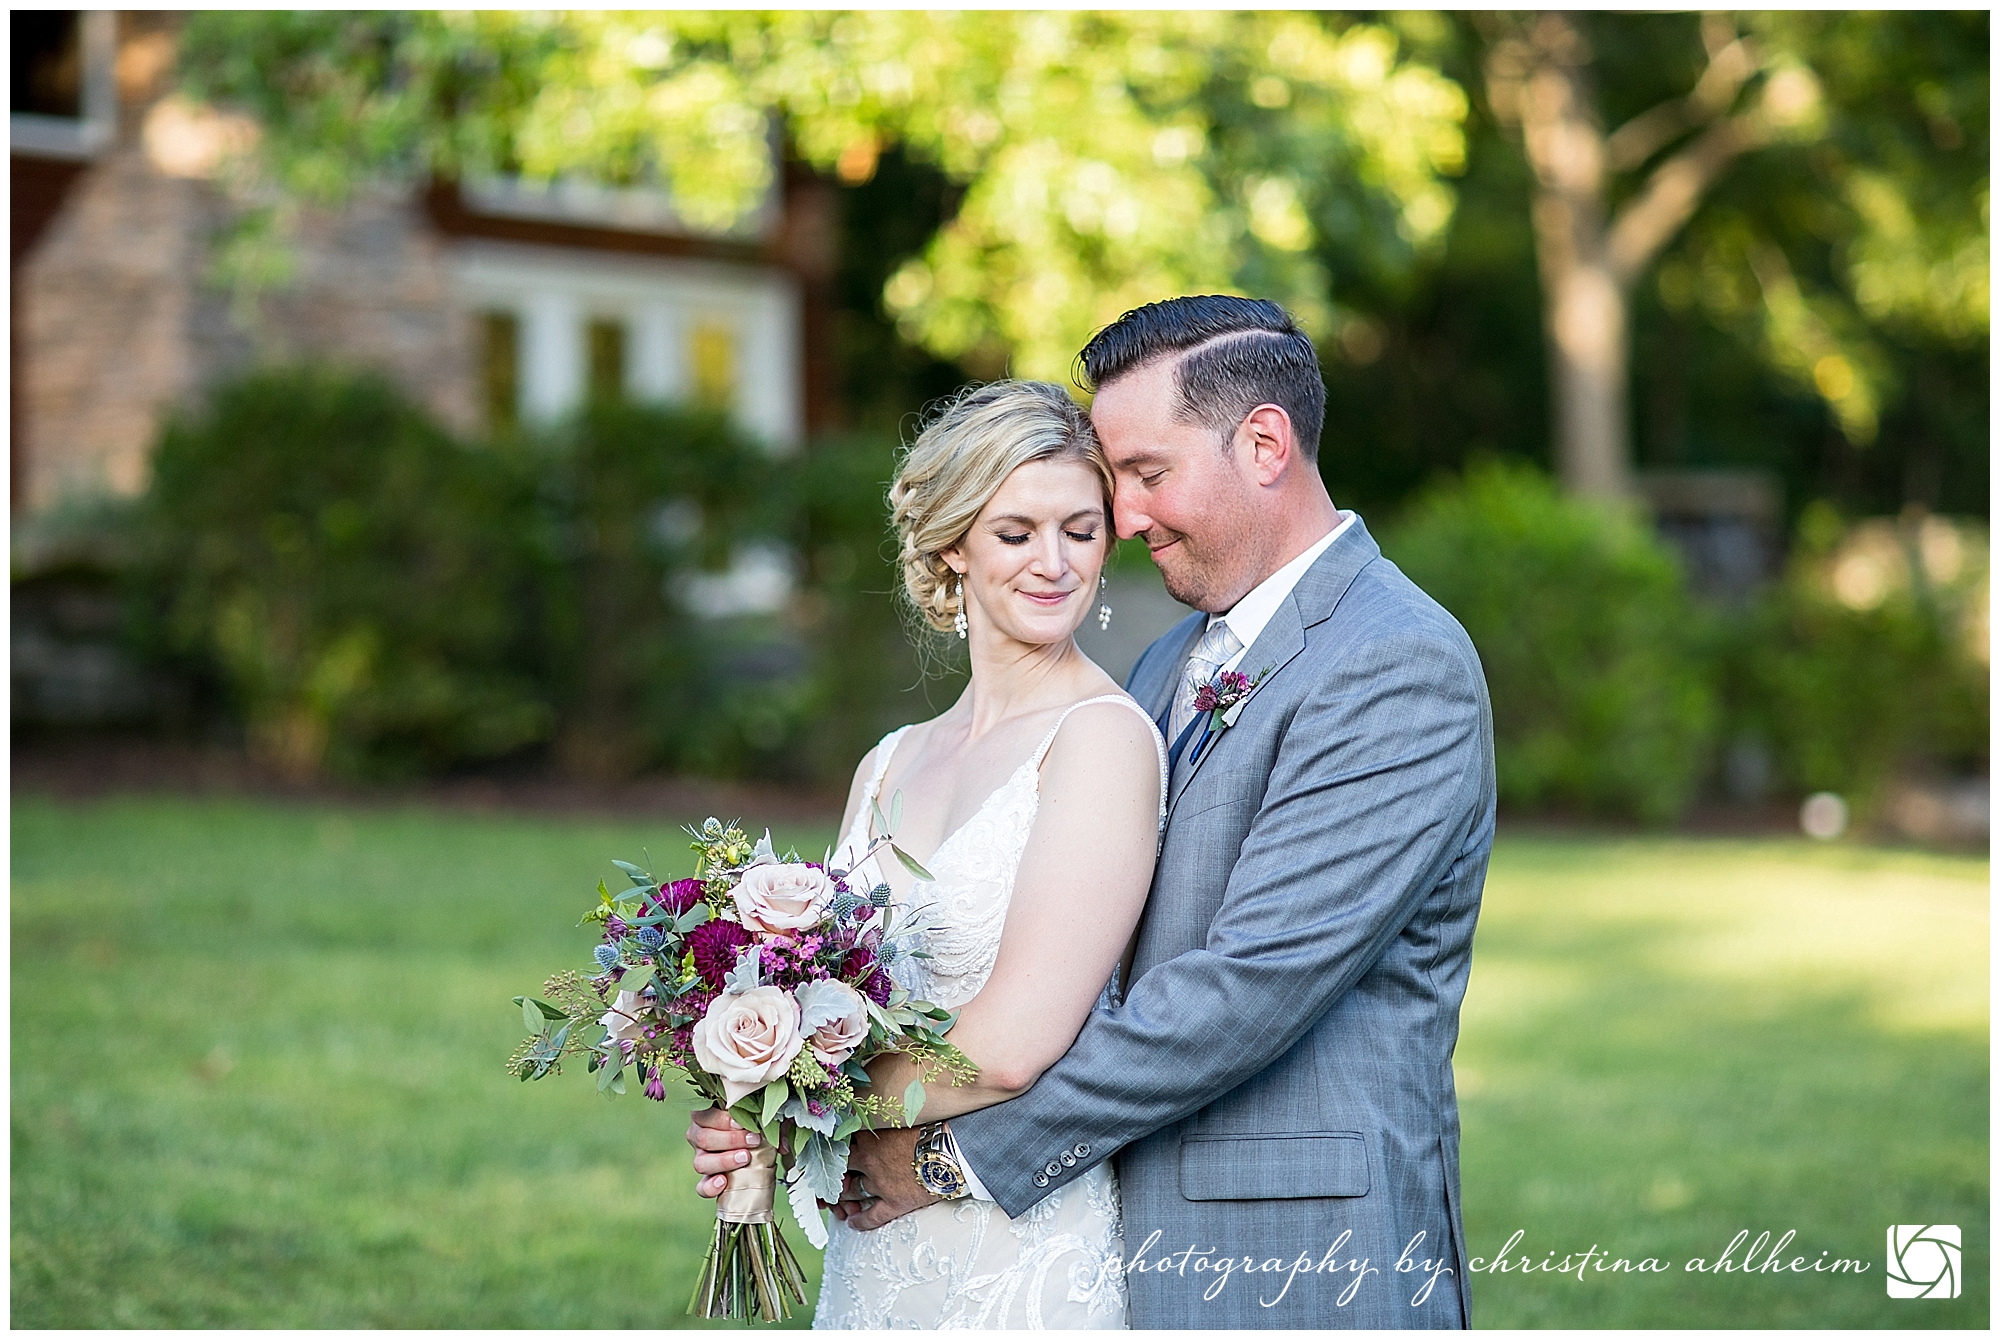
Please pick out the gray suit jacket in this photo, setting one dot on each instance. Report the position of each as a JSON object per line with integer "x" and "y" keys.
{"x": 1276, "y": 1081}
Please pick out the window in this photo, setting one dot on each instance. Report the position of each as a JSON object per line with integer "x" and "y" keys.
{"x": 65, "y": 100}
{"x": 48, "y": 62}
{"x": 605, "y": 339}
{"x": 713, "y": 355}
{"x": 500, "y": 368}
{"x": 563, "y": 327}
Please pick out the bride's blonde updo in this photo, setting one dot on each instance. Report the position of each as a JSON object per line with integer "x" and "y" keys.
{"x": 958, "y": 462}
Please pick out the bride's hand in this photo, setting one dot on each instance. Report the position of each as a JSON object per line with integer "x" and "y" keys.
{"x": 720, "y": 1147}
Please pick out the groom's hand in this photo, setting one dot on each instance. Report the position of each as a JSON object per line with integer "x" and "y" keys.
{"x": 720, "y": 1147}
{"x": 881, "y": 1180}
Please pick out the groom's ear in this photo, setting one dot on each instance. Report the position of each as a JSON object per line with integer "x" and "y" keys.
{"x": 1266, "y": 432}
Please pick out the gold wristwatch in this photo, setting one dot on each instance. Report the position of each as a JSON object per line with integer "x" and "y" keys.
{"x": 937, "y": 1163}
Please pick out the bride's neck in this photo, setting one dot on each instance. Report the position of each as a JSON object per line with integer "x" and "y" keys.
{"x": 1014, "y": 678}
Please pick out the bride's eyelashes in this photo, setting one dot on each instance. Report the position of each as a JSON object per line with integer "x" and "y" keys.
{"x": 1089, "y": 538}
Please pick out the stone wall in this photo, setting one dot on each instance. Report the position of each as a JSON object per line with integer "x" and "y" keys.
{"x": 119, "y": 319}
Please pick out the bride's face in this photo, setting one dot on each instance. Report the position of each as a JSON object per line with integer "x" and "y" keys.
{"x": 1032, "y": 558}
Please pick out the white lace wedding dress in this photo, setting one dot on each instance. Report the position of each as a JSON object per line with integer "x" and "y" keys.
{"x": 964, "y": 1264}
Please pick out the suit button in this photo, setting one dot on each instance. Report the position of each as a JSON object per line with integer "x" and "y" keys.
{"x": 1069, "y": 1158}
{"x": 1041, "y": 1179}
{"x": 1082, "y": 1150}
{"x": 1053, "y": 1168}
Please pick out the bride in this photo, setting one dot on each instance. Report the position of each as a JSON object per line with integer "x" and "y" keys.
{"x": 1035, "y": 802}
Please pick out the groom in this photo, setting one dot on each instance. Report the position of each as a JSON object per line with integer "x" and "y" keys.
{"x": 1275, "y": 1082}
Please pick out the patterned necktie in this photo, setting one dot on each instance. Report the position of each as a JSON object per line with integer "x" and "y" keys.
{"x": 1210, "y": 654}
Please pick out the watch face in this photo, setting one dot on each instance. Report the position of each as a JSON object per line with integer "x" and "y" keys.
{"x": 940, "y": 1178}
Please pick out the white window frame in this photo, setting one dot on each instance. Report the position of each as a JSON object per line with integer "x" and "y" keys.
{"x": 556, "y": 291}
{"x": 90, "y": 134}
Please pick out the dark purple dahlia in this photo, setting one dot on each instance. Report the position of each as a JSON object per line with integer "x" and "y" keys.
{"x": 677, "y": 897}
{"x": 715, "y": 945}
{"x": 867, "y": 976}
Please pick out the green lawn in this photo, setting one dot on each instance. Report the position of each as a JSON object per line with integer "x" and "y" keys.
{"x": 257, "y": 1075}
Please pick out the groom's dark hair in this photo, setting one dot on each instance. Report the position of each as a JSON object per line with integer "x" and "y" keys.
{"x": 1234, "y": 354}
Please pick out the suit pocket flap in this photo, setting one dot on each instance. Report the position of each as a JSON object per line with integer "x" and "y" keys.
{"x": 1274, "y": 1167}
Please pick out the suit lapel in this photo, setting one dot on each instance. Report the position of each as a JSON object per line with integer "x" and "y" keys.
{"x": 1311, "y": 603}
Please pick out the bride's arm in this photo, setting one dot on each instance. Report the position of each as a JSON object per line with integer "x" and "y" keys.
{"x": 1078, "y": 892}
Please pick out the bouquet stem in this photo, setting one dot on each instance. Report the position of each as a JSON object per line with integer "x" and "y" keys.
{"x": 750, "y": 1271}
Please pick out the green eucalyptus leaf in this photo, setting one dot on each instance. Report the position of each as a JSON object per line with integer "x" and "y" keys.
{"x": 913, "y": 1102}
{"x": 909, "y": 862}
{"x": 775, "y": 1094}
{"x": 896, "y": 811}
{"x": 531, "y": 1014}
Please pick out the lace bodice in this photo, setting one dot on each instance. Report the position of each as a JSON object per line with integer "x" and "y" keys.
{"x": 965, "y": 1263}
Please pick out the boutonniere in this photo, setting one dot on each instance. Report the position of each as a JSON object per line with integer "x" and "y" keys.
{"x": 1223, "y": 698}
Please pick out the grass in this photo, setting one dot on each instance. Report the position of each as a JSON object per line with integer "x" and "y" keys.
{"x": 257, "y": 1048}
{"x": 1666, "y": 1042}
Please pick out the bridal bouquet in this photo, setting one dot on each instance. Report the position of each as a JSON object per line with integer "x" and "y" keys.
{"x": 764, "y": 981}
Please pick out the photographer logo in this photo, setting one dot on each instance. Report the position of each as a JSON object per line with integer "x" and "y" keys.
{"x": 1923, "y": 1260}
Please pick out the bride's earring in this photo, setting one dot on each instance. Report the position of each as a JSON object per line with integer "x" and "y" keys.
{"x": 958, "y": 619}
{"x": 1103, "y": 611}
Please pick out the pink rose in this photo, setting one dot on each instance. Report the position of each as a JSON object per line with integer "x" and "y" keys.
{"x": 835, "y": 1019}
{"x": 772, "y": 898}
{"x": 621, "y": 1019}
{"x": 749, "y": 1040}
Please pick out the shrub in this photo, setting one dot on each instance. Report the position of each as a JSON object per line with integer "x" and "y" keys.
{"x": 351, "y": 571}
{"x": 864, "y": 662}
{"x": 1601, "y": 701}
{"x": 1869, "y": 657}
{"x": 633, "y": 502}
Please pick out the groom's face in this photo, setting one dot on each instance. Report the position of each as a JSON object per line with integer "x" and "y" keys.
{"x": 1179, "y": 489}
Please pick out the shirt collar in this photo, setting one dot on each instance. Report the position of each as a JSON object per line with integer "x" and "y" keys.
{"x": 1250, "y": 614}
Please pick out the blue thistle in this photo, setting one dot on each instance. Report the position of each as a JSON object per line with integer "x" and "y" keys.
{"x": 606, "y": 956}
{"x": 650, "y": 937}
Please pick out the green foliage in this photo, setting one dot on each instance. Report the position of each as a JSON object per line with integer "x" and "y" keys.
{"x": 865, "y": 663}
{"x": 379, "y": 597}
{"x": 1108, "y": 159}
{"x": 1863, "y": 241}
{"x": 1869, "y": 658}
{"x": 350, "y": 570}
{"x": 632, "y": 502}
{"x": 1601, "y": 702}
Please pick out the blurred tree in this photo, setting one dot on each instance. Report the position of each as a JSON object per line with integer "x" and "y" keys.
{"x": 1869, "y": 137}
{"x": 1010, "y": 181}
{"x": 1105, "y": 159}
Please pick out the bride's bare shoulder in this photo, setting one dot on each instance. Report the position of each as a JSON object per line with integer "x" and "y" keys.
{"x": 1107, "y": 739}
